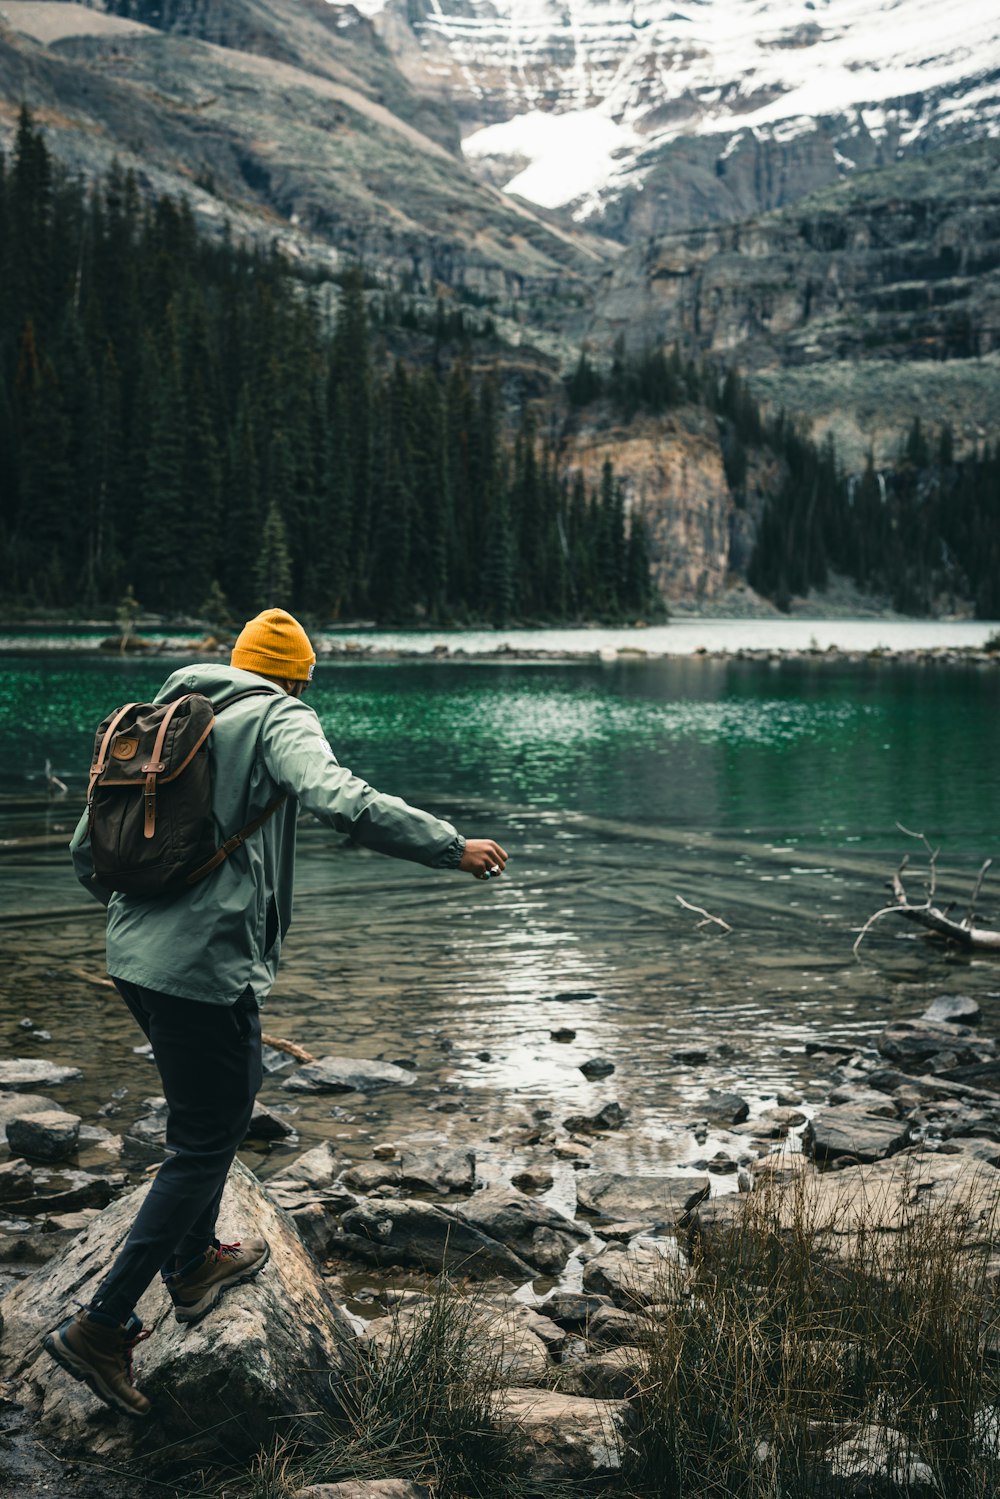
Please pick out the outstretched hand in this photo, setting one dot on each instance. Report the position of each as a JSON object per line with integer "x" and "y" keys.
{"x": 483, "y": 858}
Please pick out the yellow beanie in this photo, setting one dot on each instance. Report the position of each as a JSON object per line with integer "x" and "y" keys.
{"x": 275, "y": 645}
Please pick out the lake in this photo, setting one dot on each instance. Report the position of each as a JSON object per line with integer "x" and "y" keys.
{"x": 765, "y": 792}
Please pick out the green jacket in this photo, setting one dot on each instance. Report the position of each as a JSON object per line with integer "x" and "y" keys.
{"x": 211, "y": 941}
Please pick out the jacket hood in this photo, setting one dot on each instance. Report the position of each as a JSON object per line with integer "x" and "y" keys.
{"x": 215, "y": 681}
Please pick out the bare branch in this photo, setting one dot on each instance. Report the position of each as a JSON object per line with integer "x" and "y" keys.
{"x": 298, "y": 1052}
{"x": 926, "y": 914}
{"x": 700, "y": 911}
{"x": 975, "y": 893}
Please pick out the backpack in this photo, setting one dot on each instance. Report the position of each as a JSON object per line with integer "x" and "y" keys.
{"x": 149, "y": 803}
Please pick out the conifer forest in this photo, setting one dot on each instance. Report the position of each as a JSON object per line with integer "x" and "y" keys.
{"x": 180, "y": 422}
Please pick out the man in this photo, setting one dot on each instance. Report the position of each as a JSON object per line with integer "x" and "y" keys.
{"x": 193, "y": 968}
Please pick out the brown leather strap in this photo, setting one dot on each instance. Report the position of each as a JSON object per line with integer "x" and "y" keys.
{"x": 154, "y": 765}
{"x": 232, "y": 844}
{"x": 97, "y": 769}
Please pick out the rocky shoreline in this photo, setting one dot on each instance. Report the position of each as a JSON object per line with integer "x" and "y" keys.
{"x": 563, "y": 1300}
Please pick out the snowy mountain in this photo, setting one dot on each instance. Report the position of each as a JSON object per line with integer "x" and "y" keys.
{"x": 581, "y": 104}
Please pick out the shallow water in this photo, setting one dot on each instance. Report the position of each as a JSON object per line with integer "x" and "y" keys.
{"x": 766, "y": 793}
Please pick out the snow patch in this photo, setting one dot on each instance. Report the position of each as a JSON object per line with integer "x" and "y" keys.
{"x": 570, "y": 154}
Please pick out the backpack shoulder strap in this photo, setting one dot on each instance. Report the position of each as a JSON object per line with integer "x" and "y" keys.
{"x": 232, "y": 844}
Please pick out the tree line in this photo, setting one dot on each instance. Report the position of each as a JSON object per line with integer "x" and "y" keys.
{"x": 179, "y": 425}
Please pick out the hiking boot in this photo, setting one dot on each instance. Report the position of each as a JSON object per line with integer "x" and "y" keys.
{"x": 197, "y": 1286}
{"x": 98, "y": 1350}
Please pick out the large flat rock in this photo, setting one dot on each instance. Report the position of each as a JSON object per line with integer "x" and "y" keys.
{"x": 21, "y": 1074}
{"x": 566, "y": 1436}
{"x": 400, "y": 1231}
{"x": 348, "y": 1075}
{"x": 651, "y": 1199}
{"x": 847, "y": 1129}
{"x": 220, "y": 1388}
{"x": 536, "y": 1232}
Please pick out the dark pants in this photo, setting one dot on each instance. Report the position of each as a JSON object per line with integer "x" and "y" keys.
{"x": 210, "y": 1066}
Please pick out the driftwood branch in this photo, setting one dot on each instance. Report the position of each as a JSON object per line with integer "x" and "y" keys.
{"x": 298, "y": 1052}
{"x": 700, "y": 911}
{"x": 940, "y": 923}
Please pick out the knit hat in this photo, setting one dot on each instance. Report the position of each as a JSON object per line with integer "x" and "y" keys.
{"x": 275, "y": 645}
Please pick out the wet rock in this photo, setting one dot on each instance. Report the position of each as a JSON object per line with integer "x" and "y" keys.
{"x": 953, "y": 1009}
{"x": 266, "y": 1125}
{"x": 597, "y": 1067}
{"x": 653, "y": 1199}
{"x": 273, "y": 1060}
{"x": 774, "y": 1124}
{"x": 573, "y": 1150}
{"x": 347, "y": 1075}
{"x": 914, "y": 1044}
{"x": 538, "y": 1234}
{"x": 846, "y": 1130}
{"x": 563, "y": 1034}
{"x": 611, "y": 1326}
{"x": 316, "y": 1168}
{"x": 312, "y": 1181}
{"x": 620, "y": 1233}
{"x": 366, "y": 1488}
{"x": 61, "y": 1190}
{"x": 371, "y": 1176}
{"x": 869, "y": 1099}
{"x": 636, "y": 1274}
{"x": 388, "y": 1231}
{"x": 426, "y": 1169}
{"x": 16, "y": 1182}
{"x": 690, "y": 1056}
{"x": 20, "y": 1075}
{"x": 151, "y": 1126}
{"x": 49, "y": 1136}
{"x": 217, "y": 1385}
{"x": 70, "y": 1224}
{"x": 565, "y": 1436}
{"x": 15, "y": 1105}
{"x": 722, "y": 1165}
{"x": 573, "y": 1310}
{"x": 532, "y": 1179}
{"x": 731, "y": 1108}
{"x": 611, "y": 1117}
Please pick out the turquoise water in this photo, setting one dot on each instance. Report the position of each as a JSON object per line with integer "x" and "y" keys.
{"x": 766, "y": 793}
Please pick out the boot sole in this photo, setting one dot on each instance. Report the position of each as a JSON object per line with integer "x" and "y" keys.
{"x": 82, "y": 1371}
{"x": 189, "y": 1315}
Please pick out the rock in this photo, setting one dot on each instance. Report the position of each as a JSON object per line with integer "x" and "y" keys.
{"x": 16, "y": 1105}
{"x": 151, "y": 1126}
{"x": 218, "y": 1385}
{"x": 15, "y": 1181}
{"x": 563, "y": 1034}
{"x": 424, "y": 1169}
{"x": 366, "y": 1488}
{"x": 538, "y": 1234}
{"x": 731, "y": 1108}
{"x": 614, "y": 1372}
{"x": 914, "y": 1043}
{"x": 573, "y": 1310}
{"x": 597, "y": 1067}
{"x": 573, "y": 1150}
{"x": 347, "y": 1075}
{"x": 266, "y": 1125}
{"x": 391, "y": 1231}
{"x": 532, "y": 1179}
{"x": 612, "y": 1116}
{"x": 869, "y": 1099}
{"x": 875, "y": 1460}
{"x": 953, "y": 1009}
{"x": 610, "y": 1326}
{"x": 70, "y": 1223}
{"x": 22, "y": 1074}
{"x": 846, "y": 1130}
{"x": 621, "y": 1233}
{"x": 371, "y": 1176}
{"x": 317, "y": 1169}
{"x": 565, "y": 1436}
{"x": 499, "y": 1335}
{"x": 273, "y": 1060}
{"x": 636, "y": 1274}
{"x": 690, "y": 1056}
{"x": 653, "y": 1199}
{"x": 48, "y": 1136}
{"x": 60, "y": 1190}
{"x": 311, "y": 1181}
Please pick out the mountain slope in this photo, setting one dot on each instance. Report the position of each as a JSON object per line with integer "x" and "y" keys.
{"x": 645, "y": 116}
{"x": 310, "y": 155}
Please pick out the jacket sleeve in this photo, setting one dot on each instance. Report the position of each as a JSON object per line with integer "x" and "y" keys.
{"x": 299, "y": 759}
{"x": 83, "y": 864}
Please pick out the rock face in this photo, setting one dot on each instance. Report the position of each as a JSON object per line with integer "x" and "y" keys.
{"x": 266, "y": 1351}
{"x": 347, "y": 1075}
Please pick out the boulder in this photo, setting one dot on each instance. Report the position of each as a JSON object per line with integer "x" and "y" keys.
{"x": 573, "y": 1310}
{"x": 651, "y": 1199}
{"x": 348, "y": 1075}
{"x": 649, "y": 1270}
{"x": 731, "y": 1108}
{"x": 366, "y": 1488}
{"x": 16, "y": 1181}
{"x": 565, "y": 1436}
{"x": 612, "y": 1116}
{"x": 533, "y": 1179}
{"x": 423, "y": 1168}
{"x": 498, "y": 1336}
{"x": 267, "y": 1125}
{"x": 370, "y": 1176}
{"x": 953, "y": 1009}
{"x": 597, "y": 1067}
{"x": 61, "y": 1190}
{"x": 848, "y": 1130}
{"x": 914, "y": 1043}
{"x": 610, "y": 1327}
{"x": 540, "y": 1235}
{"x": 391, "y": 1231}
{"x": 20, "y": 1075}
{"x": 219, "y": 1387}
{"x": 875, "y": 1460}
{"x": 16, "y": 1105}
{"x": 51, "y": 1135}
{"x": 613, "y": 1372}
